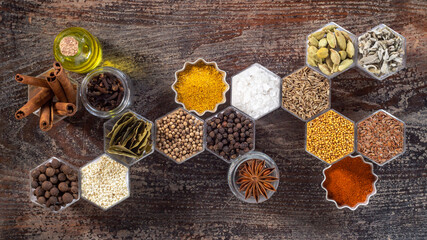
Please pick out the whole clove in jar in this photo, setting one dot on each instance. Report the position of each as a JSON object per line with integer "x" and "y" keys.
{"x": 105, "y": 92}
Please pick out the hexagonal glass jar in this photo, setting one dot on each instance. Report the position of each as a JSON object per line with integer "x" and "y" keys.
{"x": 233, "y": 175}
{"x": 329, "y": 196}
{"x": 33, "y": 198}
{"x": 199, "y": 120}
{"x": 235, "y": 110}
{"x": 326, "y": 150}
{"x": 200, "y": 62}
{"x": 402, "y": 54}
{"x": 354, "y": 41}
{"x": 33, "y": 90}
{"x": 379, "y": 128}
{"x": 129, "y": 161}
{"x": 301, "y": 88}
{"x": 256, "y": 100}
{"x": 100, "y": 170}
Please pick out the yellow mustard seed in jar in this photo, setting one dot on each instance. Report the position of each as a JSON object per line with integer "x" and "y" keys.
{"x": 200, "y": 87}
{"x": 330, "y": 136}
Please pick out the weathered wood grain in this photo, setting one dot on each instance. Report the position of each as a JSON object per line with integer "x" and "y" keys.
{"x": 150, "y": 40}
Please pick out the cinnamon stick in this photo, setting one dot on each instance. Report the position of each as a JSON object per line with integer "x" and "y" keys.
{"x": 62, "y": 108}
{"x": 46, "y": 116}
{"x": 56, "y": 87}
{"x": 39, "y": 82}
{"x": 59, "y": 112}
{"x": 42, "y": 97}
{"x": 60, "y": 74}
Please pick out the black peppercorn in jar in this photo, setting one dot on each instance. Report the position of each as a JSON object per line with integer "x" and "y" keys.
{"x": 106, "y": 92}
{"x": 230, "y": 134}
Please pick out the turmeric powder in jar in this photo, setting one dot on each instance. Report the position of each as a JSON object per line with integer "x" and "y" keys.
{"x": 200, "y": 87}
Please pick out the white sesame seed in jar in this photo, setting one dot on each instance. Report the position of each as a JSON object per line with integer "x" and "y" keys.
{"x": 105, "y": 182}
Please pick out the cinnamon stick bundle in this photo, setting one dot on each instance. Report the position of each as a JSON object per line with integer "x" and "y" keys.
{"x": 56, "y": 84}
{"x": 56, "y": 87}
{"x": 39, "y": 82}
{"x": 46, "y": 116}
{"x": 60, "y": 74}
{"x": 63, "y": 108}
{"x": 42, "y": 97}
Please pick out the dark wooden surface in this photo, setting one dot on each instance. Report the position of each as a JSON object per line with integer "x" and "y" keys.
{"x": 150, "y": 40}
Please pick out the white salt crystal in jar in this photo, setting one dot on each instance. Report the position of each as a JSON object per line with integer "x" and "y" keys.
{"x": 256, "y": 91}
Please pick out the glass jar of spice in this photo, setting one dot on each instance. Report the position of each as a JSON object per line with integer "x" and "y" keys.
{"x": 349, "y": 182}
{"x": 264, "y": 174}
{"x": 200, "y": 86}
{"x": 106, "y": 95}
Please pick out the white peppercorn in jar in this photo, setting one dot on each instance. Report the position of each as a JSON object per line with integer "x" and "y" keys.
{"x": 179, "y": 135}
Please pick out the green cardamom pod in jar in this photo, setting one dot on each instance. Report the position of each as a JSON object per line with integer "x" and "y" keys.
{"x": 345, "y": 64}
{"x": 332, "y": 41}
{"x": 350, "y": 49}
{"x": 325, "y": 69}
{"x": 335, "y": 57}
{"x": 323, "y": 43}
{"x": 322, "y": 53}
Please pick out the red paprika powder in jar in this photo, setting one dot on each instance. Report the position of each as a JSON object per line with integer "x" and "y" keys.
{"x": 349, "y": 182}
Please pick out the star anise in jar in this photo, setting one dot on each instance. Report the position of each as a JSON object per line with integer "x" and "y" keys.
{"x": 255, "y": 179}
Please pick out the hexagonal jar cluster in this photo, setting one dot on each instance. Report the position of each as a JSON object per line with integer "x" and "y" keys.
{"x": 229, "y": 134}
{"x": 256, "y": 91}
{"x": 330, "y": 136}
{"x": 305, "y": 93}
{"x": 54, "y": 184}
{"x": 105, "y": 182}
{"x": 331, "y": 50}
{"x": 179, "y": 135}
{"x": 381, "y": 137}
{"x": 381, "y": 52}
{"x": 200, "y": 86}
{"x": 129, "y": 137}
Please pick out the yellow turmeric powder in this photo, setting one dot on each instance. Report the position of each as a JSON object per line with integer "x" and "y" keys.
{"x": 200, "y": 87}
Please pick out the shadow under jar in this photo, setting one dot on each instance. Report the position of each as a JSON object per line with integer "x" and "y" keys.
{"x": 106, "y": 92}
{"x": 253, "y": 169}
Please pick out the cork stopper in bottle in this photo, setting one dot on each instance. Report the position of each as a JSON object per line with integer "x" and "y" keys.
{"x": 69, "y": 46}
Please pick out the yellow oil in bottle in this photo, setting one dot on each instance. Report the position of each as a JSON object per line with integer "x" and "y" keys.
{"x": 77, "y": 50}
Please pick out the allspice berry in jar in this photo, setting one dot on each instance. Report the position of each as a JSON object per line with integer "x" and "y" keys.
{"x": 230, "y": 134}
{"x": 53, "y": 183}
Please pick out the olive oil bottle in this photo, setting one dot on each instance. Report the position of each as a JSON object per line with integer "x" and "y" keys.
{"x": 77, "y": 50}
